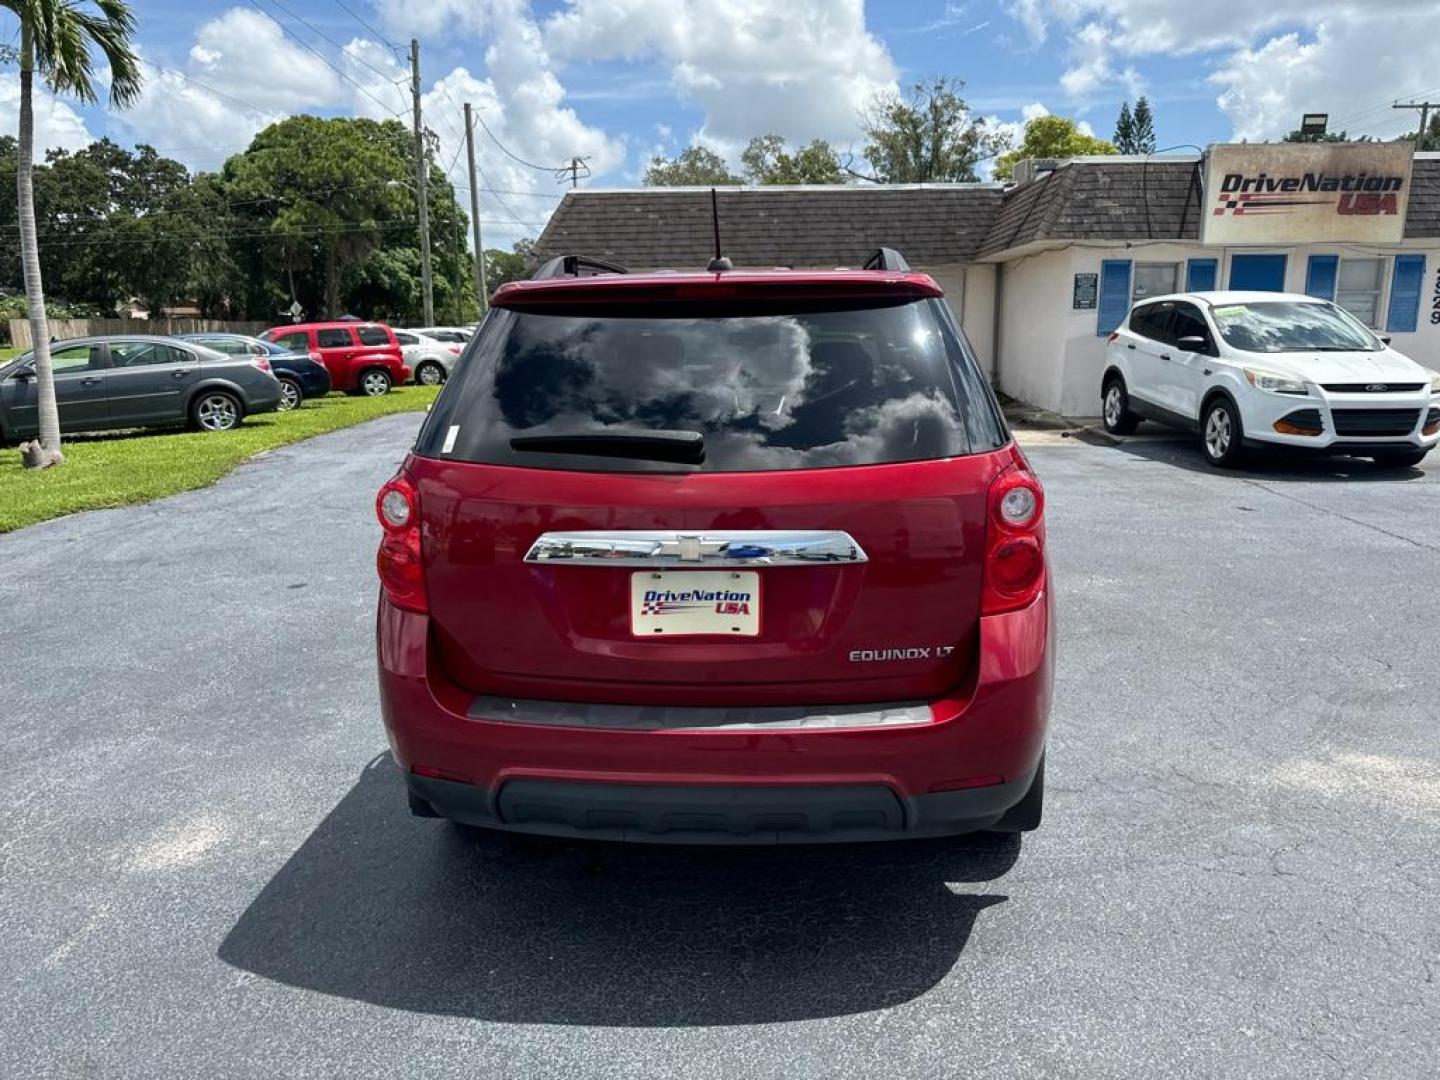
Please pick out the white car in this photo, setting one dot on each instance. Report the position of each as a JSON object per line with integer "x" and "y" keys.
{"x": 457, "y": 335}
{"x": 431, "y": 360}
{"x": 1250, "y": 369}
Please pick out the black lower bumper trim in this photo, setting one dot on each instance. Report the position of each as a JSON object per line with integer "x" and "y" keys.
{"x": 714, "y": 814}
{"x": 1350, "y": 449}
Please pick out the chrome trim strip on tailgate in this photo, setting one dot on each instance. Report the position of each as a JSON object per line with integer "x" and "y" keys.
{"x": 720, "y": 548}
{"x": 685, "y": 718}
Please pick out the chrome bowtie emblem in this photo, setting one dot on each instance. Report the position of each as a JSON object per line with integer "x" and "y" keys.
{"x": 689, "y": 548}
{"x": 1376, "y": 387}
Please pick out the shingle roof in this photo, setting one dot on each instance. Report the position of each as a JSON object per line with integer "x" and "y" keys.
{"x": 1156, "y": 200}
{"x": 1422, "y": 220}
{"x": 838, "y": 226}
{"x": 931, "y": 224}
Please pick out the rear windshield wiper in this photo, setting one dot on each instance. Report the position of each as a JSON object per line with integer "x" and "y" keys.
{"x": 681, "y": 447}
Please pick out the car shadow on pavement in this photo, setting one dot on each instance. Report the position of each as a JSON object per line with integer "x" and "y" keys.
{"x": 1269, "y": 464}
{"x": 418, "y": 914}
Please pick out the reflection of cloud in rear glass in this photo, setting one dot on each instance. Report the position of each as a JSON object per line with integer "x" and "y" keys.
{"x": 772, "y": 391}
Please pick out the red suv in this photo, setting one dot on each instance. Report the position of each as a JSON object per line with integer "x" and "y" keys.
{"x": 737, "y": 557}
{"x": 362, "y": 358}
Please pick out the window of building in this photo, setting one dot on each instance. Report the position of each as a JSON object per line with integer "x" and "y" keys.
{"x": 1154, "y": 279}
{"x": 1358, "y": 286}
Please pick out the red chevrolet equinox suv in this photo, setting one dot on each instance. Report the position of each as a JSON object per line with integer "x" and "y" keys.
{"x": 721, "y": 557}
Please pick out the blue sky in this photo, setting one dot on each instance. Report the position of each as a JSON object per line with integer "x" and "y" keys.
{"x": 619, "y": 80}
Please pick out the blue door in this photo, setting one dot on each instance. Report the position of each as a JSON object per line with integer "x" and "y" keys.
{"x": 1257, "y": 273}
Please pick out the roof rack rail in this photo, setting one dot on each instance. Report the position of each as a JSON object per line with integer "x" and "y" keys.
{"x": 885, "y": 259}
{"x": 574, "y": 266}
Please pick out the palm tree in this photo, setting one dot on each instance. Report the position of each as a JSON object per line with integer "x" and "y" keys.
{"x": 56, "y": 39}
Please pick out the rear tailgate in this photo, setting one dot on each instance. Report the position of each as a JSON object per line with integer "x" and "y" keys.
{"x": 707, "y": 410}
{"x": 897, "y": 626}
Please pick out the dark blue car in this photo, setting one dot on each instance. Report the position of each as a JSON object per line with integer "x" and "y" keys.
{"x": 301, "y": 375}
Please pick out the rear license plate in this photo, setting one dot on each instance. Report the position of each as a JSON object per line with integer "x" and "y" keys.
{"x": 717, "y": 603}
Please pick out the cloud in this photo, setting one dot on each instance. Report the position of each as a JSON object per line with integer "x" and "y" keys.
{"x": 519, "y": 99}
{"x": 803, "y": 69}
{"x": 1264, "y": 90}
{"x": 242, "y": 73}
{"x": 426, "y": 18}
{"x": 57, "y": 125}
{"x": 1272, "y": 61}
{"x": 244, "y": 52}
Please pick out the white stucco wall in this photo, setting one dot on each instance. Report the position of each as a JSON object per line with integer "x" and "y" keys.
{"x": 1052, "y": 356}
{"x": 979, "y": 319}
{"x": 970, "y": 292}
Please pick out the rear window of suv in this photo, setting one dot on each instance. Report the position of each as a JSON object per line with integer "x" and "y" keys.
{"x": 767, "y": 391}
{"x": 373, "y": 335}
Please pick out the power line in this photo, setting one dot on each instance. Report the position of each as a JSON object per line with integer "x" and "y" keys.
{"x": 1424, "y": 108}
{"x": 309, "y": 193}
{"x": 326, "y": 37}
{"x": 514, "y": 157}
{"x": 462, "y": 186}
{"x": 298, "y": 231}
{"x": 323, "y": 58}
{"x": 381, "y": 37}
{"x": 207, "y": 87}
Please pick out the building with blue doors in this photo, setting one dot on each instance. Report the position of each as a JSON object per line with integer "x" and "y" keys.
{"x": 1041, "y": 271}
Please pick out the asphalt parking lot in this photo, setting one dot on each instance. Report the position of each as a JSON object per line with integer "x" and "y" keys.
{"x": 206, "y": 867}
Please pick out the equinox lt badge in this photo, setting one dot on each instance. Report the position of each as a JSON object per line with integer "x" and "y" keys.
{"x": 922, "y": 652}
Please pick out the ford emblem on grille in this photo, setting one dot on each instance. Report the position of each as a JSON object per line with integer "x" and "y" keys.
{"x": 1376, "y": 388}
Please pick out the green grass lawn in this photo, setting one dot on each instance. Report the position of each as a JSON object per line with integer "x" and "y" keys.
{"x": 122, "y": 469}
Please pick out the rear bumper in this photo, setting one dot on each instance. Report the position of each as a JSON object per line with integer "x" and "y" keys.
{"x": 314, "y": 384}
{"x": 959, "y": 770}
{"x": 718, "y": 814}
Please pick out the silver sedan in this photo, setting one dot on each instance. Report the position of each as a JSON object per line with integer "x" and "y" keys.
{"x": 134, "y": 380}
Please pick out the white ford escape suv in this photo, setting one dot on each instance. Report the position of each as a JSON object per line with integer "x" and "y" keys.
{"x": 1247, "y": 369}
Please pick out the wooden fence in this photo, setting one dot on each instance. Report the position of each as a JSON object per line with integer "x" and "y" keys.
{"x": 61, "y": 329}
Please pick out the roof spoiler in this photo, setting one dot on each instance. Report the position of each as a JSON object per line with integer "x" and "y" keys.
{"x": 886, "y": 259}
{"x": 574, "y": 266}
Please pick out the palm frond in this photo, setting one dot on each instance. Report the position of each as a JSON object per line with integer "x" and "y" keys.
{"x": 65, "y": 33}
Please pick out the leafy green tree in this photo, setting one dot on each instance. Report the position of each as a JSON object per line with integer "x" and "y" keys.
{"x": 1124, "y": 139}
{"x": 116, "y": 224}
{"x": 1432, "y": 134}
{"x": 1317, "y": 137}
{"x": 325, "y": 193}
{"x": 56, "y": 39}
{"x": 1144, "y": 128}
{"x": 929, "y": 136}
{"x": 695, "y": 166}
{"x": 506, "y": 266}
{"x": 1050, "y": 137}
{"x": 767, "y": 160}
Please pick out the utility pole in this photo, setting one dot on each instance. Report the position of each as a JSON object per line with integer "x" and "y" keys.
{"x": 576, "y": 170}
{"x": 481, "y": 292}
{"x": 1424, "y": 107}
{"x": 422, "y": 183}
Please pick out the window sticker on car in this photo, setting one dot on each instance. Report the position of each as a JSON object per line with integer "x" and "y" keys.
{"x": 450, "y": 439}
{"x": 1229, "y": 312}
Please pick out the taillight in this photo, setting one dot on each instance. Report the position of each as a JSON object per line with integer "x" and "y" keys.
{"x": 1113, "y": 335}
{"x": 1014, "y": 542}
{"x": 454, "y": 350}
{"x": 317, "y": 357}
{"x": 398, "y": 562}
{"x": 260, "y": 362}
